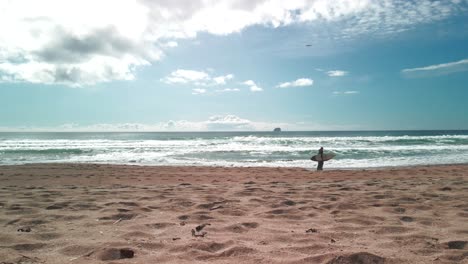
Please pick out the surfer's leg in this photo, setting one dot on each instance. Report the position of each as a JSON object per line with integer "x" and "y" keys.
{"x": 320, "y": 165}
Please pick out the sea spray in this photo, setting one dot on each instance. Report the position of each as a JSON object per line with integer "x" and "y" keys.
{"x": 285, "y": 149}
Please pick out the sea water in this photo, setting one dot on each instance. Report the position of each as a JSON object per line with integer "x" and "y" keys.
{"x": 356, "y": 149}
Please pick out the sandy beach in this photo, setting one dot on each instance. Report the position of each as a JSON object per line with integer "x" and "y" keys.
{"x": 87, "y": 213}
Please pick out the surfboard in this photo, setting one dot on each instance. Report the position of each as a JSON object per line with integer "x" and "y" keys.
{"x": 326, "y": 156}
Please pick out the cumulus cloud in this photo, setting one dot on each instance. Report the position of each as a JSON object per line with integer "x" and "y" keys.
{"x": 337, "y": 73}
{"x": 354, "y": 17}
{"x": 249, "y": 82}
{"x": 71, "y": 43}
{"x": 437, "y": 69}
{"x": 170, "y": 44}
{"x": 253, "y": 86}
{"x": 223, "y": 79}
{"x": 197, "y": 78}
{"x": 297, "y": 83}
{"x": 87, "y": 42}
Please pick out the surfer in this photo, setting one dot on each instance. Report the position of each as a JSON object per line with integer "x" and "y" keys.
{"x": 320, "y": 163}
{"x": 322, "y": 157}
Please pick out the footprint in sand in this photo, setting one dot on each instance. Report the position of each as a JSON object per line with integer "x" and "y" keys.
{"x": 159, "y": 225}
{"x": 211, "y": 247}
{"x": 241, "y": 228}
{"x": 237, "y": 251}
{"x": 361, "y": 257}
{"x": 76, "y": 250}
{"x": 457, "y": 244}
{"x": 288, "y": 203}
{"x": 47, "y": 236}
{"x": 115, "y": 254}
{"x": 57, "y": 206}
{"x": 28, "y": 246}
{"x": 406, "y": 219}
{"x": 183, "y": 217}
{"x": 120, "y": 217}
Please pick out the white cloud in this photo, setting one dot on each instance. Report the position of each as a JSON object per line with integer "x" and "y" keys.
{"x": 256, "y": 89}
{"x": 345, "y": 92}
{"x": 186, "y": 76}
{"x": 297, "y": 83}
{"x": 227, "y": 90}
{"x": 198, "y": 91}
{"x": 214, "y": 123}
{"x": 222, "y": 123}
{"x": 437, "y": 69}
{"x": 170, "y": 44}
{"x": 56, "y": 42}
{"x": 337, "y": 73}
{"x": 249, "y": 83}
{"x": 223, "y": 79}
{"x": 197, "y": 78}
{"x": 253, "y": 86}
{"x": 96, "y": 70}
{"x": 353, "y": 17}
{"x": 87, "y": 42}
{"x": 228, "y": 122}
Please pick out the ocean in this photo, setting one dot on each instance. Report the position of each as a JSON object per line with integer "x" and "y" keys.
{"x": 354, "y": 149}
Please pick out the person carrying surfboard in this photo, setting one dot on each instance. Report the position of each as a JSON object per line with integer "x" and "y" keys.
{"x": 320, "y": 163}
{"x": 322, "y": 157}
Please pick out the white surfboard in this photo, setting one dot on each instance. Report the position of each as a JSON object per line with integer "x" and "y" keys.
{"x": 326, "y": 156}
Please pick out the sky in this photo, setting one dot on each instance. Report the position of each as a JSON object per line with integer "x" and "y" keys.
{"x": 197, "y": 65}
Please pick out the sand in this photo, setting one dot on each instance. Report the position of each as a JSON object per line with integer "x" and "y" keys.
{"x": 87, "y": 213}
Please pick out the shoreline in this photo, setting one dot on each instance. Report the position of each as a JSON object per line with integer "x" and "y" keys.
{"x": 238, "y": 167}
{"x": 95, "y": 213}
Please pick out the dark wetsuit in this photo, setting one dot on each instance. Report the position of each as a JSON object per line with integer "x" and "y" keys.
{"x": 320, "y": 163}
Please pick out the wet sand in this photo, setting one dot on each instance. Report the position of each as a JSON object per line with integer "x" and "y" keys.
{"x": 86, "y": 213}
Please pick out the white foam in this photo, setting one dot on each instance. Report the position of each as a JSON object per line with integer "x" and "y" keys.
{"x": 272, "y": 151}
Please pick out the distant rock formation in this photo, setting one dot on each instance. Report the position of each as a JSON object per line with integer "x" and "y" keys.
{"x": 277, "y": 129}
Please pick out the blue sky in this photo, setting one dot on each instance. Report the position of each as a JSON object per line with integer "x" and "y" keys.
{"x": 233, "y": 65}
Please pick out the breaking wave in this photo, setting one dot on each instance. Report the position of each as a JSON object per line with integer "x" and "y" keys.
{"x": 285, "y": 149}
